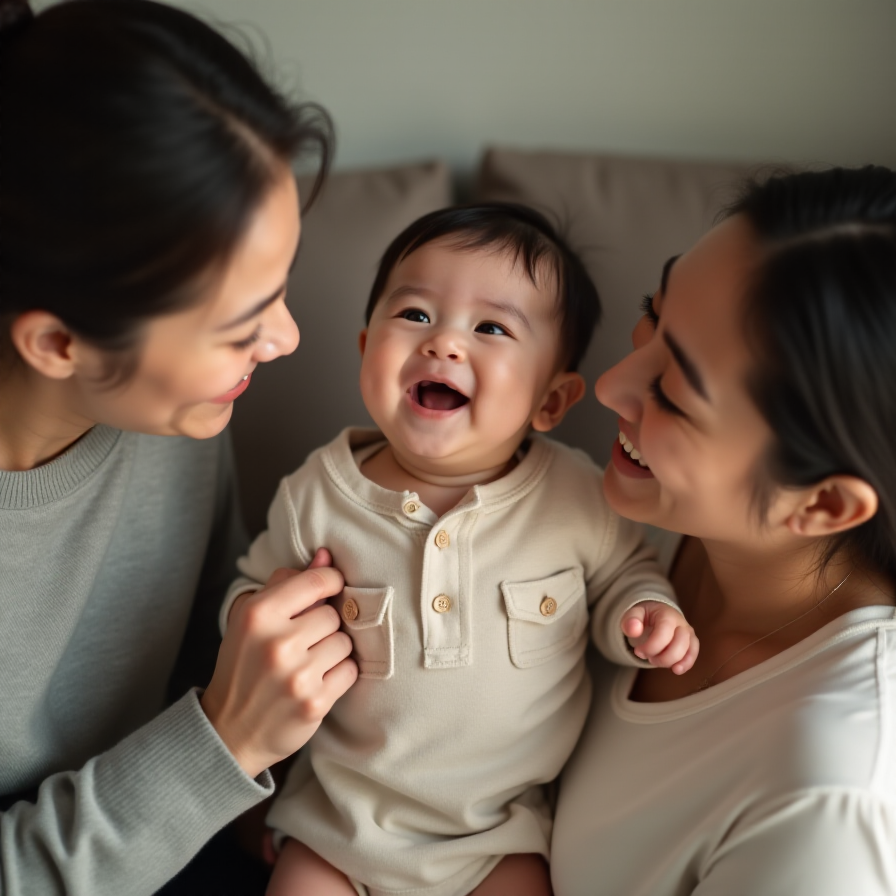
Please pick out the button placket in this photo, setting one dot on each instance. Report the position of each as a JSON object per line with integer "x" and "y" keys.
{"x": 445, "y": 591}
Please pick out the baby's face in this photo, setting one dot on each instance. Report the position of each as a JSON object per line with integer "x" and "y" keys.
{"x": 458, "y": 358}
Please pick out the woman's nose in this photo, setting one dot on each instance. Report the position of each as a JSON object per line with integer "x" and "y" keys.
{"x": 622, "y": 388}
{"x": 280, "y": 334}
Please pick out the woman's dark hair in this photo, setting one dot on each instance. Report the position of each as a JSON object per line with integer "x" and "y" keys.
{"x": 821, "y": 315}
{"x": 135, "y": 144}
{"x": 528, "y": 237}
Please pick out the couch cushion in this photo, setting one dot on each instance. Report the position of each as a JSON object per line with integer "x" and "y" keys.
{"x": 625, "y": 216}
{"x": 298, "y": 403}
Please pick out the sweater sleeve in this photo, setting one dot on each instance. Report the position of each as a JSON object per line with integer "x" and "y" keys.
{"x": 132, "y": 817}
{"x": 824, "y": 842}
{"x": 629, "y": 574}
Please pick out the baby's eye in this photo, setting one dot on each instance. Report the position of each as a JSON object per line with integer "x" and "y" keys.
{"x": 415, "y": 315}
{"x": 491, "y": 329}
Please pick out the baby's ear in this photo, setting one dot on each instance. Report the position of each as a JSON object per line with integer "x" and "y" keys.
{"x": 362, "y": 340}
{"x": 565, "y": 390}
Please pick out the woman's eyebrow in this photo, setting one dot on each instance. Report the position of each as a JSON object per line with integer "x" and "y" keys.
{"x": 688, "y": 368}
{"x": 253, "y": 311}
{"x": 259, "y": 306}
{"x": 667, "y": 268}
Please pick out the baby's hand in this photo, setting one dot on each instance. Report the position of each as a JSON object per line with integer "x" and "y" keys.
{"x": 659, "y": 634}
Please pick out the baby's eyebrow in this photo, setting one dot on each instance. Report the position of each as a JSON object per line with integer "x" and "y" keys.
{"x": 401, "y": 291}
{"x": 509, "y": 308}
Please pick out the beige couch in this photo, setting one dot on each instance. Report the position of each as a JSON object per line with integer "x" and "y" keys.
{"x": 625, "y": 216}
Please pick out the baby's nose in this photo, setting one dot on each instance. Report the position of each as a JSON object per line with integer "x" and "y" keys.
{"x": 446, "y": 346}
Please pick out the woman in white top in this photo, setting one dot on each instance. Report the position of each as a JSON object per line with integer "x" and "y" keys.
{"x": 759, "y": 403}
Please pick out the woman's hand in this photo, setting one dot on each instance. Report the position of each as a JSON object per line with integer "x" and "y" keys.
{"x": 280, "y": 668}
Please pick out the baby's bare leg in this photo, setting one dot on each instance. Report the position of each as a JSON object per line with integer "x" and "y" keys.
{"x": 300, "y": 872}
{"x": 523, "y": 874}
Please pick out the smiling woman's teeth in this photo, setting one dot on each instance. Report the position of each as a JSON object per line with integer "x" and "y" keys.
{"x": 630, "y": 449}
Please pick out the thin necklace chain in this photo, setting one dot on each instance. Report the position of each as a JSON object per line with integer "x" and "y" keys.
{"x": 708, "y": 681}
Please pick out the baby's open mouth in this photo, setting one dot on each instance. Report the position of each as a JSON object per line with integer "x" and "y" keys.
{"x": 437, "y": 396}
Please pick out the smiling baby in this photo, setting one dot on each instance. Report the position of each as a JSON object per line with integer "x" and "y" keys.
{"x": 474, "y": 552}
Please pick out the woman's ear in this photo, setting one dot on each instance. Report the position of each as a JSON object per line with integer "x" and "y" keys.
{"x": 837, "y": 504}
{"x": 362, "y": 340}
{"x": 44, "y": 343}
{"x": 565, "y": 390}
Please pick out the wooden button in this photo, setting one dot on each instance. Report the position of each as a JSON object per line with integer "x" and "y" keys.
{"x": 411, "y": 507}
{"x": 548, "y": 606}
{"x": 442, "y": 603}
{"x": 349, "y": 610}
{"x": 443, "y": 539}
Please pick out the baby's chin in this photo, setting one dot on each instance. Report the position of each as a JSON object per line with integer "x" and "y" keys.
{"x": 444, "y": 468}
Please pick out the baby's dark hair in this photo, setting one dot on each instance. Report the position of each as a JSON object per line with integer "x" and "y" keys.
{"x": 529, "y": 238}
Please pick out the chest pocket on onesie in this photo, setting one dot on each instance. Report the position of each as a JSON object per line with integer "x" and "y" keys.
{"x": 367, "y": 618}
{"x": 544, "y": 616}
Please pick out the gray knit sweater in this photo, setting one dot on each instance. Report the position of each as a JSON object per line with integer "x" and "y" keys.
{"x": 104, "y": 553}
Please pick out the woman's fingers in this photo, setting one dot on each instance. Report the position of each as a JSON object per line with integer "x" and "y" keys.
{"x": 314, "y": 684}
{"x": 281, "y": 666}
{"x": 287, "y": 594}
{"x": 322, "y": 557}
{"x": 336, "y": 681}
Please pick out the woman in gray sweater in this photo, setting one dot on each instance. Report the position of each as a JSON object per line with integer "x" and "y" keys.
{"x": 148, "y": 220}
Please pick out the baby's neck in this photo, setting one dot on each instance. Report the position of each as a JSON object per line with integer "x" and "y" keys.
{"x": 438, "y": 492}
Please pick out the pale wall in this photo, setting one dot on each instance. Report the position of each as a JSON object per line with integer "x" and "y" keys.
{"x": 779, "y": 80}
{"x": 794, "y": 80}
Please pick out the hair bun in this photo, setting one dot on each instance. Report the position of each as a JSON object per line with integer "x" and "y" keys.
{"x": 14, "y": 14}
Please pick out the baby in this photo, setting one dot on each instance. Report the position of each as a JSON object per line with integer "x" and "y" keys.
{"x": 472, "y": 550}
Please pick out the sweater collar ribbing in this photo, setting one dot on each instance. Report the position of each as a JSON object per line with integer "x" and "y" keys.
{"x": 52, "y": 481}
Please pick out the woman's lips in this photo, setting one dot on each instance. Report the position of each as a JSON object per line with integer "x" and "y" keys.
{"x": 625, "y": 466}
{"x": 235, "y": 392}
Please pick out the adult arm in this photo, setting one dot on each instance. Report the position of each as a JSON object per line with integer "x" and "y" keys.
{"x": 825, "y": 842}
{"x": 132, "y": 816}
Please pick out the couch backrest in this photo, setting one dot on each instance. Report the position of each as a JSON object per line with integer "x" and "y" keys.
{"x": 626, "y": 216}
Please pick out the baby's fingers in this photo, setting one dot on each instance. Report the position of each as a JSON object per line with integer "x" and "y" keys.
{"x": 677, "y": 651}
{"x": 633, "y": 622}
{"x": 656, "y": 638}
{"x": 687, "y": 661}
